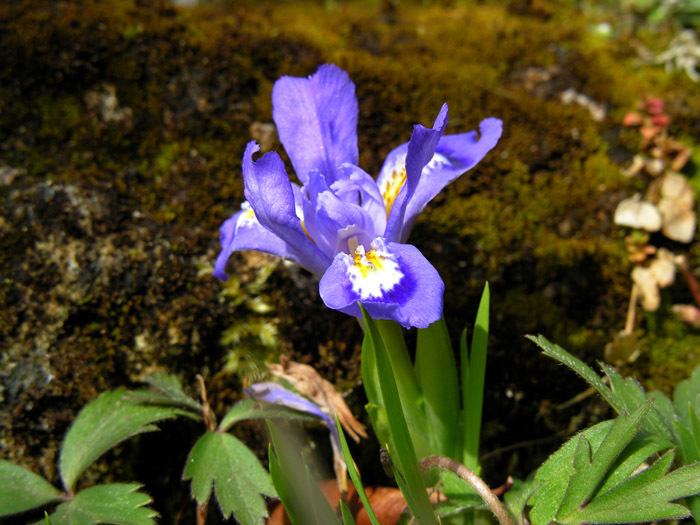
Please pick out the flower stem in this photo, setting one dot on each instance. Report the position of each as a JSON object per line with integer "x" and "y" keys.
{"x": 475, "y": 481}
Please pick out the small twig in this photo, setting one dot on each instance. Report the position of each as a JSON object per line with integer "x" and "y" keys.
{"x": 475, "y": 481}
{"x": 693, "y": 284}
{"x": 631, "y": 310}
{"x": 201, "y": 514}
{"x": 206, "y": 409}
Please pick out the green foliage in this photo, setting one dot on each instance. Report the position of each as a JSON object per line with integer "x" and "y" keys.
{"x": 436, "y": 372}
{"x": 102, "y": 424}
{"x": 171, "y": 392}
{"x": 400, "y": 448}
{"x": 624, "y": 395}
{"x": 117, "y": 503}
{"x": 665, "y": 424}
{"x": 354, "y": 475}
{"x": 473, "y": 374}
{"x": 252, "y": 339}
{"x": 222, "y": 461}
{"x": 297, "y": 489}
{"x": 588, "y": 479}
{"x": 22, "y": 490}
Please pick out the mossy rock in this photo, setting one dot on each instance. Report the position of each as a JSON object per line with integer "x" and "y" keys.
{"x": 126, "y": 122}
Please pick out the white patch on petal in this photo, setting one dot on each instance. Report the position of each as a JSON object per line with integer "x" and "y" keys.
{"x": 247, "y": 217}
{"x": 438, "y": 161}
{"x": 374, "y": 273}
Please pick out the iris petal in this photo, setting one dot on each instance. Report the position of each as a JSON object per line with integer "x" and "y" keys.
{"x": 271, "y": 196}
{"x": 316, "y": 119}
{"x": 392, "y": 280}
{"x": 420, "y": 150}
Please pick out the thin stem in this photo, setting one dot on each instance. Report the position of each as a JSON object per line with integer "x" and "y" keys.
{"x": 631, "y": 310}
{"x": 475, "y": 481}
{"x": 693, "y": 284}
{"x": 209, "y": 420}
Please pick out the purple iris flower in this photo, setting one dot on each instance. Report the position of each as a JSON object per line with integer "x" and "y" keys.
{"x": 341, "y": 224}
{"x": 274, "y": 393}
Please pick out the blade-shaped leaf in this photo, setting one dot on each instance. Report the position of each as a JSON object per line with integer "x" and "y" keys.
{"x": 473, "y": 387}
{"x": 302, "y": 498}
{"x": 220, "y": 460}
{"x": 21, "y": 489}
{"x": 354, "y": 475}
{"x": 436, "y": 371}
{"x": 100, "y": 425}
{"x": 251, "y": 409}
{"x": 401, "y": 446}
{"x": 346, "y": 514}
{"x": 117, "y": 503}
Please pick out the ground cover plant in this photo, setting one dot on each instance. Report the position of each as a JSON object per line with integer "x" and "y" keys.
{"x": 123, "y": 131}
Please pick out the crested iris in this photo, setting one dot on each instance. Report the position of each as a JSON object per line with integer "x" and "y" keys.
{"x": 341, "y": 224}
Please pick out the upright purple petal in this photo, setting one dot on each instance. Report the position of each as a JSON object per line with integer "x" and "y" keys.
{"x": 454, "y": 155}
{"x": 392, "y": 281}
{"x": 271, "y": 197}
{"x": 316, "y": 119}
{"x": 420, "y": 150}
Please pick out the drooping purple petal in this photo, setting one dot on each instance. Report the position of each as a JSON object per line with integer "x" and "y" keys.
{"x": 392, "y": 281}
{"x": 275, "y": 393}
{"x": 402, "y": 186}
{"x": 272, "y": 198}
{"x": 316, "y": 119}
{"x": 242, "y": 231}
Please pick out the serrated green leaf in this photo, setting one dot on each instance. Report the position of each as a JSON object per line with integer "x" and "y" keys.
{"x": 218, "y": 459}
{"x": 590, "y": 468}
{"x": 552, "y": 478}
{"x": 21, "y": 489}
{"x": 630, "y": 395}
{"x": 516, "y": 499}
{"x": 103, "y": 423}
{"x": 460, "y": 494}
{"x": 642, "y": 447}
{"x": 588, "y": 479}
{"x": 250, "y": 409}
{"x": 645, "y": 497}
{"x": 117, "y": 503}
{"x": 436, "y": 372}
{"x": 170, "y": 386}
{"x": 688, "y": 445}
{"x": 557, "y": 353}
{"x": 624, "y": 395}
